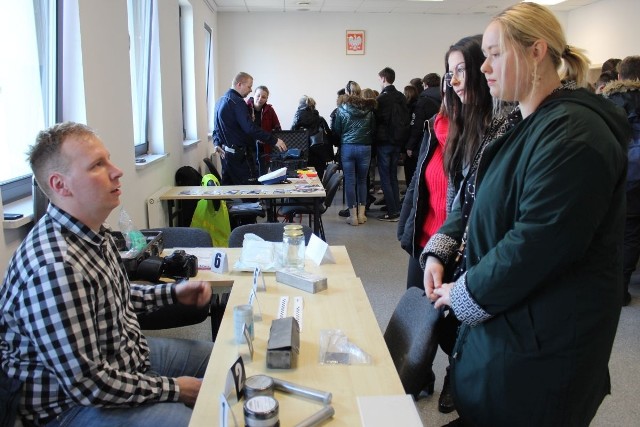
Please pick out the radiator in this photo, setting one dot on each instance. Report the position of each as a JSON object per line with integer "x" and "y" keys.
{"x": 157, "y": 211}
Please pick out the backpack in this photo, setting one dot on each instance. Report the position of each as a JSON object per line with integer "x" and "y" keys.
{"x": 400, "y": 123}
{"x": 321, "y": 143}
{"x": 213, "y": 216}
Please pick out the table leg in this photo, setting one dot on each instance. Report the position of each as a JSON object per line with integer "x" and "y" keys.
{"x": 316, "y": 215}
{"x": 271, "y": 210}
{"x": 170, "y": 212}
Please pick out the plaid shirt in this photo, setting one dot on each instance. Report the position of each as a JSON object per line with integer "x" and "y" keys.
{"x": 68, "y": 328}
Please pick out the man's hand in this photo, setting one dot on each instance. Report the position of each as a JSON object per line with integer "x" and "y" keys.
{"x": 433, "y": 272}
{"x": 194, "y": 293}
{"x": 410, "y": 153}
{"x": 189, "y": 389}
{"x": 219, "y": 150}
{"x": 281, "y": 145}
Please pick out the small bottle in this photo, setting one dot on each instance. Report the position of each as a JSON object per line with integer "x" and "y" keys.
{"x": 293, "y": 246}
{"x": 242, "y": 315}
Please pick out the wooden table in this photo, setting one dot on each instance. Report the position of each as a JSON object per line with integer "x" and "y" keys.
{"x": 341, "y": 268}
{"x": 345, "y": 306}
{"x": 273, "y": 194}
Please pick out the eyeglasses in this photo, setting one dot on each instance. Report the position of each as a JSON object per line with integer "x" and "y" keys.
{"x": 458, "y": 73}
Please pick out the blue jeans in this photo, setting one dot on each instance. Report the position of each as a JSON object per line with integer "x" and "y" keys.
{"x": 388, "y": 169}
{"x": 169, "y": 357}
{"x": 355, "y": 166}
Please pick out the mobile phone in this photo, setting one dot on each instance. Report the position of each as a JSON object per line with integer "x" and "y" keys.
{"x": 12, "y": 216}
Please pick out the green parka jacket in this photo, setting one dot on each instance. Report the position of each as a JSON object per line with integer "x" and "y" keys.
{"x": 541, "y": 298}
{"x": 355, "y": 121}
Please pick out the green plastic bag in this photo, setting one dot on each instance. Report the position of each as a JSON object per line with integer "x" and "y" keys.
{"x": 214, "y": 221}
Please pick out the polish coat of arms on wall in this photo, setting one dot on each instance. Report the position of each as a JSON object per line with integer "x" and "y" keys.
{"x": 355, "y": 42}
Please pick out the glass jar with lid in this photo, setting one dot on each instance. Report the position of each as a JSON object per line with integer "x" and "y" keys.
{"x": 293, "y": 246}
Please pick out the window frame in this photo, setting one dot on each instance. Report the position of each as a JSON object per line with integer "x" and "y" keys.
{"x": 141, "y": 110}
{"x": 209, "y": 77}
{"x": 20, "y": 187}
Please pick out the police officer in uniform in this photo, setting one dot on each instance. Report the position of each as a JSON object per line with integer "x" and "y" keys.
{"x": 235, "y": 134}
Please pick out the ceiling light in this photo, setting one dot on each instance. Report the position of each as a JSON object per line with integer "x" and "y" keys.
{"x": 545, "y": 2}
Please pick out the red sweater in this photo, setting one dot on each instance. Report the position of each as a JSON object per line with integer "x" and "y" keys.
{"x": 269, "y": 121}
{"x": 436, "y": 183}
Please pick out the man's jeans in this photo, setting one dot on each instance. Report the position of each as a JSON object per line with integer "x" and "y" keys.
{"x": 388, "y": 169}
{"x": 169, "y": 357}
{"x": 355, "y": 165}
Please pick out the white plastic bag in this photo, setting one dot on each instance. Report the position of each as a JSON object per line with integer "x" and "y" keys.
{"x": 336, "y": 349}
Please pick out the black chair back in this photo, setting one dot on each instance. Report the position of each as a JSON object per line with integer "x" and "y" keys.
{"x": 184, "y": 237}
{"x": 331, "y": 189}
{"x": 331, "y": 169}
{"x": 412, "y": 340}
{"x": 270, "y": 231}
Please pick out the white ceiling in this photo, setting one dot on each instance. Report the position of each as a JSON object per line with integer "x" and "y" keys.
{"x": 379, "y": 6}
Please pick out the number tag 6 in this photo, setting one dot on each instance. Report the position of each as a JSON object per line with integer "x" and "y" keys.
{"x": 219, "y": 262}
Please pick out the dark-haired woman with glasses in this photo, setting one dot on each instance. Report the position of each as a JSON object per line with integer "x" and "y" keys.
{"x": 472, "y": 126}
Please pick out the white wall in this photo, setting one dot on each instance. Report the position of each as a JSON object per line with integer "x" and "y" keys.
{"x": 297, "y": 54}
{"x": 293, "y": 54}
{"x": 606, "y": 29}
{"x": 303, "y": 53}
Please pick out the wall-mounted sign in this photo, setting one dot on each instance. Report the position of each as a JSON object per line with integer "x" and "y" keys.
{"x": 355, "y": 42}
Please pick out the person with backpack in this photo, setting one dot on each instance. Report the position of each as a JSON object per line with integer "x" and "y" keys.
{"x": 393, "y": 119}
{"x": 309, "y": 118}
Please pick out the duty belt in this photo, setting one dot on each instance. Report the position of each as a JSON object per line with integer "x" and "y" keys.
{"x": 235, "y": 149}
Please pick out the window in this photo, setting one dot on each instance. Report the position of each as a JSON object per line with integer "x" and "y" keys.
{"x": 27, "y": 87}
{"x": 208, "y": 57}
{"x": 140, "y": 25}
{"x": 187, "y": 53}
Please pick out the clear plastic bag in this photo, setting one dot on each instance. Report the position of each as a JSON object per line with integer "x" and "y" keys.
{"x": 257, "y": 252}
{"x": 134, "y": 239}
{"x": 336, "y": 349}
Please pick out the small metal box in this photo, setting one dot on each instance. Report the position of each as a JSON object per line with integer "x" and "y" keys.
{"x": 308, "y": 282}
{"x": 283, "y": 346}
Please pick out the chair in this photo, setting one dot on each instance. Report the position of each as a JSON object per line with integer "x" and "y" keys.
{"x": 184, "y": 237}
{"x": 9, "y": 400}
{"x": 239, "y": 213}
{"x": 174, "y": 316}
{"x": 331, "y": 169}
{"x": 411, "y": 339}
{"x": 270, "y": 231}
{"x": 212, "y": 168}
{"x": 187, "y": 176}
{"x": 331, "y": 190}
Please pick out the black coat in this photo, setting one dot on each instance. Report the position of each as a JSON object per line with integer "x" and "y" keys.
{"x": 541, "y": 297}
{"x": 415, "y": 204}
{"x": 427, "y": 106}
{"x": 626, "y": 94}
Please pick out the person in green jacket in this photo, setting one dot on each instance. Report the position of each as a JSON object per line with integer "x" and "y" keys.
{"x": 540, "y": 297}
{"x": 355, "y": 125}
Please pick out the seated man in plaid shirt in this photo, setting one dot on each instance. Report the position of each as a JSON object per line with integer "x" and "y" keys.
{"x": 68, "y": 326}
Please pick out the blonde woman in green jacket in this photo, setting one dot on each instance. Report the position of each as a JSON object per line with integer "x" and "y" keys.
{"x": 540, "y": 298}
